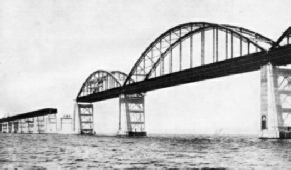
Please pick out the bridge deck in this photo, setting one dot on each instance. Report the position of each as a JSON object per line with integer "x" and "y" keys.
{"x": 37, "y": 113}
{"x": 252, "y": 62}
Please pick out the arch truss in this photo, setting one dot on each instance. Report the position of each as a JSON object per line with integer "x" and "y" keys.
{"x": 284, "y": 39}
{"x": 195, "y": 44}
{"x": 102, "y": 80}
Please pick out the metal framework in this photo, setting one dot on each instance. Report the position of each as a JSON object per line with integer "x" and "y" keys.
{"x": 10, "y": 127}
{"x": 97, "y": 82}
{"x": 86, "y": 118}
{"x": 187, "y": 53}
{"x": 15, "y": 126}
{"x": 23, "y": 125}
{"x": 5, "y": 127}
{"x": 100, "y": 81}
{"x": 51, "y": 125}
{"x": 40, "y": 124}
{"x": 27, "y": 122}
{"x": 134, "y": 107}
{"x": 275, "y": 102}
{"x": 159, "y": 57}
{"x": 285, "y": 36}
{"x": 30, "y": 125}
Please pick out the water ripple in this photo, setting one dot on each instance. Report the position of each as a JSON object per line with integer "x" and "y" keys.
{"x": 33, "y": 151}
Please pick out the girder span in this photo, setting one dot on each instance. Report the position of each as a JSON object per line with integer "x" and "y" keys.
{"x": 100, "y": 81}
{"x": 234, "y": 38}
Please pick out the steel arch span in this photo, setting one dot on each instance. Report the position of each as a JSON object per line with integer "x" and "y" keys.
{"x": 194, "y": 52}
{"x": 188, "y": 53}
{"x": 100, "y": 81}
{"x": 195, "y": 44}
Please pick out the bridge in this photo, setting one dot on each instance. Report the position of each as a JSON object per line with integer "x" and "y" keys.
{"x": 39, "y": 121}
{"x": 194, "y": 52}
{"x": 188, "y": 53}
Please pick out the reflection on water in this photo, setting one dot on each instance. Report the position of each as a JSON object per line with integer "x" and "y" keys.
{"x": 183, "y": 151}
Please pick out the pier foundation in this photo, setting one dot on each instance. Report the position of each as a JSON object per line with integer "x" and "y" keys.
{"x": 275, "y": 108}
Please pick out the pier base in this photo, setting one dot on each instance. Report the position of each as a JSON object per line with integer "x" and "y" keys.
{"x": 275, "y": 108}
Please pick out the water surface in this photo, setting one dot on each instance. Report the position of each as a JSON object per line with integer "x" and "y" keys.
{"x": 156, "y": 151}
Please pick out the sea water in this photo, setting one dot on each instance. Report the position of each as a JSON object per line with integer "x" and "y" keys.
{"x": 38, "y": 151}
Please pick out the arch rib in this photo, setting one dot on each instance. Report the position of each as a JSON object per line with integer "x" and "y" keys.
{"x": 192, "y": 33}
{"x": 280, "y": 39}
{"x": 251, "y": 33}
{"x": 189, "y": 27}
{"x": 94, "y": 73}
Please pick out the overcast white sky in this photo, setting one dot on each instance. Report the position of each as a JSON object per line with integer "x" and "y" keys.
{"x": 49, "y": 47}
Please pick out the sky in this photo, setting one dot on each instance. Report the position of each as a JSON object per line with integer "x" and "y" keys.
{"x": 49, "y": 48}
